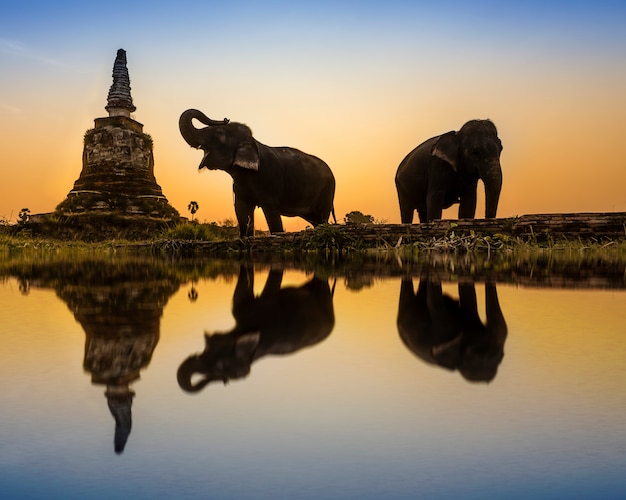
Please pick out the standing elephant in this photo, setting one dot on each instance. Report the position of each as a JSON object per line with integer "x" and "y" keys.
{"x": 445, "y": 170}
{"x": 280, "y": 180}
{"x": 448, "y": 332}
{"x": 277, "y": 322}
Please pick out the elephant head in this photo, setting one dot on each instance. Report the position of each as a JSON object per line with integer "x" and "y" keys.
{"x": 225, "y": 357}
{"x": 226, "y": 145}
{"x": 474, "y": 152}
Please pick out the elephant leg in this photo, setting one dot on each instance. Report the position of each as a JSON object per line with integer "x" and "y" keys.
{"x": 467, "y": 206}
{"x": 245, "y": 217}
{"x": 447, "y": 333}
{"x": 244, "y": 290}
{"x": 441, "y": 180}
{"x": 317, "y": 216}
{"x": 406, "y": 212}
{"x": 273, "y": 282}
{"x": 323, "y": 214}
{"x": 274, "y": 222}
{"x": 467, "y": 296}
{"x": 495, "y": 319}
{"x": 314, "y": 221}
{"x": 434, "y": 204}
{"x": 323, "y": 207}
{"x": 407, "y": 294}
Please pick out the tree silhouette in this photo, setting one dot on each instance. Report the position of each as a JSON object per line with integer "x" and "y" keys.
{"x": 356, "y": 217}
{"x": 193, "y": 208}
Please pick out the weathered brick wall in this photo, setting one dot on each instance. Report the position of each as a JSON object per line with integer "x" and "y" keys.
{"x": 118, "y": 160}
{"x": 118, "y": 173}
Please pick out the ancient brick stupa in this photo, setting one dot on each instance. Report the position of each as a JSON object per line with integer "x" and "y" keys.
{"x": 118, "y": 164}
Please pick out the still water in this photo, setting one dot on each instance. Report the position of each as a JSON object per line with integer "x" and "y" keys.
{"x": 153, "y": 379}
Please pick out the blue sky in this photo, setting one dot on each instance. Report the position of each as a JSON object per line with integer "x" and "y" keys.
{"x": 356, "y": 83}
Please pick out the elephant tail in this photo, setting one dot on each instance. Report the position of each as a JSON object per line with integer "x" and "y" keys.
{"x": 332, "y": 211}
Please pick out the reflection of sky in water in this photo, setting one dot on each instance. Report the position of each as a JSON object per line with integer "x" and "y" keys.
{"x": 355, "y": 416}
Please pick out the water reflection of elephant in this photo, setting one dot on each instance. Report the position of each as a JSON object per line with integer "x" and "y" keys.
{"x": 278, "y": 321}
{"x": 449, "y": 332}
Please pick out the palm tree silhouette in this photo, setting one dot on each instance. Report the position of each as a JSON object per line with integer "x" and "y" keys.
{"x": 193, "y": 208}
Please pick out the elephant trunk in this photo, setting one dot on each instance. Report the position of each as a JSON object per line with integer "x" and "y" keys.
{"x": 191, "y": 134}
{"x": 492, "y": 179}
{"x": 187, "y": 370}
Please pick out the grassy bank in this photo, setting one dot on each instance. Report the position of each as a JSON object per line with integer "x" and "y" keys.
{"x": 193, "y": 253}
{"x": 332, "y": 241}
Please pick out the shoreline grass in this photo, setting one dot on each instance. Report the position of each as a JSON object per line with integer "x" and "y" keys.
{"x": 563, "y": 263}
{"x": 331, "y": 241}
{"x": 488, "y": 247}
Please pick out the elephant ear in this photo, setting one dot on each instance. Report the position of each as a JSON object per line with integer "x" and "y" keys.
{"x": 447, "y": 148}
{"x": 247, "y": 156}
{"x": 246, "y": 344}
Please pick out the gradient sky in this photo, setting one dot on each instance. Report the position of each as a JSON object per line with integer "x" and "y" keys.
{"x": 357, "y": 83}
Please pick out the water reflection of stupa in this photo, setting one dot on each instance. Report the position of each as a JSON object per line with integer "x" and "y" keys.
{"x": 119, "y": 307}
{"x": 115, "y": 352}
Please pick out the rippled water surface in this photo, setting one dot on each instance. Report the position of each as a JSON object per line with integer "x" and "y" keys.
{"x": 143, "y": 380}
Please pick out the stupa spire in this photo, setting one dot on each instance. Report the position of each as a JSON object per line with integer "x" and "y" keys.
{"x": 119, "y": 101}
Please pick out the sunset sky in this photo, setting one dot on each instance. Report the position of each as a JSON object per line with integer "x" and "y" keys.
{"x": 357, "y": 83}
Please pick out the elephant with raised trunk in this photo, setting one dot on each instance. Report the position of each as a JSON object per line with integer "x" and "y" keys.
{"x": 445, "y": 170}
{"x": 280, "y": 180}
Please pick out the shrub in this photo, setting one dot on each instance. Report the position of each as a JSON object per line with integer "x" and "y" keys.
{"x": 194, "y": 231}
